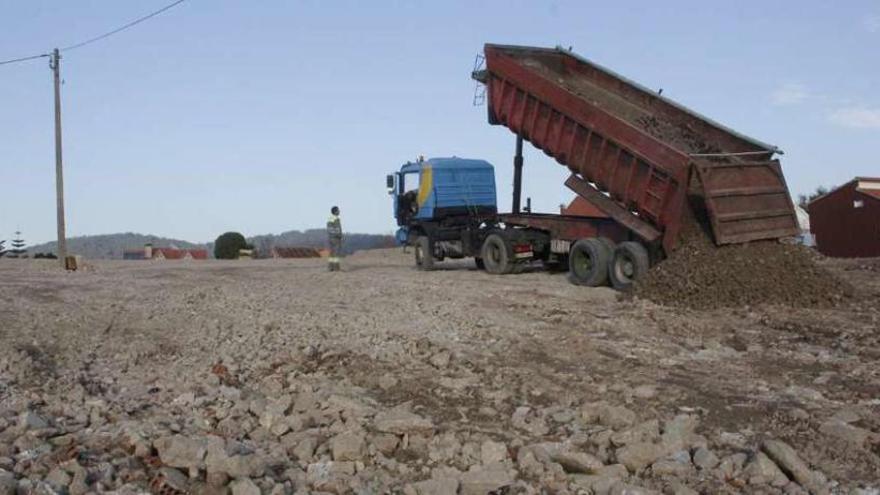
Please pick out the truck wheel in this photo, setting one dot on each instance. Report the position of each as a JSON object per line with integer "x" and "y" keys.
{"x": 630, "y": 262}
{"x": 424, "y": 257}
{"x": 608, "y": 242}
{"x": 497, "y": 255}
{"x": 479, "y": 263}
{"x": 588, "y": 262}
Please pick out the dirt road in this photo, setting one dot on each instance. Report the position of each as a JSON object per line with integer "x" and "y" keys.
{"x": 277, "y": 376}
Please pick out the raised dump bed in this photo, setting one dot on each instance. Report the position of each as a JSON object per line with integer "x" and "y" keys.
{"x": 643, "y": 151}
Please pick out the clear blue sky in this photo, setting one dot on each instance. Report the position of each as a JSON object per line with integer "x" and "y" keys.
{"x": 258, "y": 116}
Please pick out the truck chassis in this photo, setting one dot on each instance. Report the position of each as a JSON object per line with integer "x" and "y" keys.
{"x": 589, "y": 248}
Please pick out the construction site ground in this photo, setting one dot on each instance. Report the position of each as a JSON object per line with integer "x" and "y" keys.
{"x": 276, "y": 376}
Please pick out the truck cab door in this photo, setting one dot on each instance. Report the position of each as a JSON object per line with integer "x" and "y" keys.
{"x": 407, "y": 206}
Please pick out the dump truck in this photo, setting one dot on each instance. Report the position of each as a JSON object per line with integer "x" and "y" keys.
{"x": 638, "y": 157}
{"x": 447, "y": 208}
{"x": 442, "y": 206}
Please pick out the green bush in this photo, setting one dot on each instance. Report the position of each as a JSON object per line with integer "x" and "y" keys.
{"x": 227, "y": 245}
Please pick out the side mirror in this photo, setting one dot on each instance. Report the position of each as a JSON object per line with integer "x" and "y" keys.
{"x": 389, "y": 182}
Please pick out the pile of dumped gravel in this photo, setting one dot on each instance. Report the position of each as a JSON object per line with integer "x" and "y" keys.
{"x": 701, "y": 275}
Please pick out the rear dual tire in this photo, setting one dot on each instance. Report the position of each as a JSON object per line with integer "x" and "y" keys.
{"x": 597, "y": 261}
{"x": 588, "y": 261}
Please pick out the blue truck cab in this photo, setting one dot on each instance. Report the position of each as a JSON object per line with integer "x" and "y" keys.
{"x": 441, "y": 190}
{"x": 440, "y": 204}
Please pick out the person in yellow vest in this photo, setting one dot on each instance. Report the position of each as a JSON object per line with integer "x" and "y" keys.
{"x": 334, "y": 238}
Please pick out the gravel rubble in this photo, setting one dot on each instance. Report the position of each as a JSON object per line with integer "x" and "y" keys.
{"x": 276, "y": 377}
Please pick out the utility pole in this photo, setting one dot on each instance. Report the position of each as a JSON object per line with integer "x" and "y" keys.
{"x": 55, "y": 65}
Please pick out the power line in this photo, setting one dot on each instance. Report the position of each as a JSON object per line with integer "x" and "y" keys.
{"x": 23, "y": 59}
{"x": 97, "y": 38}
{"x": 123, "y": 28}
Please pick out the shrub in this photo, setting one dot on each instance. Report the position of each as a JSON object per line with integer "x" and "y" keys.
{"x": 226, "y": 246}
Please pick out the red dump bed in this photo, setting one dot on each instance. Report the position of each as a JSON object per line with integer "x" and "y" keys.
{"x": 639, "y": 148}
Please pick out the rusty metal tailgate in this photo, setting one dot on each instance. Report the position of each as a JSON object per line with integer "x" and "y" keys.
{"x": 746, "y": 200}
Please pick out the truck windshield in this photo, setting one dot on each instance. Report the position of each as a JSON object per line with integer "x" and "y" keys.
{"x": 409, "y": 182}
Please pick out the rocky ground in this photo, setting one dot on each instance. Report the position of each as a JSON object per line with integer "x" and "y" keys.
{"x": 278, "y": 377}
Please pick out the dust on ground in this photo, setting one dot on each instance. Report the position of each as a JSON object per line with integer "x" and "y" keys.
{"x": 276, "y": 376}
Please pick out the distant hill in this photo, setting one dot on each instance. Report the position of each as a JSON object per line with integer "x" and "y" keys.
{"x": 111, "y": 246}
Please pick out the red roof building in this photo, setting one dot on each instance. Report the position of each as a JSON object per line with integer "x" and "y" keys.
{"x": 294, "y": 252}
{"x": 179, "y": 254}
{"x": 846, "y": 221}
{"x": 153, "y": 253}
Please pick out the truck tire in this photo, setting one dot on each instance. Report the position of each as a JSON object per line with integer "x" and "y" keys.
{"x": 423, "y": 255}
{"x": 497, "y": 254}
{"x": 629, "y": 264}
{"x": 479, "y": 263}
{"x": 608, "y": 242}
{"x": 588, "y": 262}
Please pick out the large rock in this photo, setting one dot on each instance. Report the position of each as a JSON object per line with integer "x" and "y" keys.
{"x": 171, "y": 481}
{"x": 30, "y": 420}
{"x": 439, "y": 486}
{"x": 851, "y": 435}
{"x": 616, "y": 417}
{"x": 791, "y": 463}
{"x": 637, "y": 456}
{"x": 7, "y": 483}
{"x": 481, "y": 482}
{"x": 79, "y": 485}
{"x": 330, "y": 476}
{"x": 444, "y": 447}
{"x": 848, "y": 415}
{"x": 577, "y": 462}
{"x": 234, "y": 461}
{"x": 274, "y": 419}
{"x": 679, "y": 432}
{"x": 347, "y": 447}
{"x": 440, "y": 360}
{"x": 301, "y": 445}
{"x": 705, "y": 458}
{"x": 386, "y": 443}
{"x": 647, "y": 431}
{"x": 671, "y": 467}
{"x": 402, "y": 422}
{"x": 731, "y": 466}
{"x": 492, "y": 452}
{"x": 645, "y": 392}
{"x": 387, "y": 382}
{"x": 761, "y": 470}
{"x": 601, "y": 482}
{"x": 244, "y": 465}
{"x": 528, "y": 463}
{"x": 58, "y": 479}
{"x": 527, "y": 419}
{"x": 244, "y": 486}
{"x": 185, "y": 452}
{"x": 351, "y": 407}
